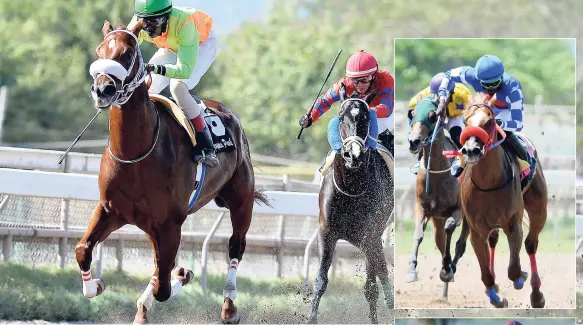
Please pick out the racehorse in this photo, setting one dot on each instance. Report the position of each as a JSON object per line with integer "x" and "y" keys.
{"x": 147, "y": 175}
{"x": 439, "y": 202}
{"x": 355, "y": 200}
{"x": 492, "y": 198}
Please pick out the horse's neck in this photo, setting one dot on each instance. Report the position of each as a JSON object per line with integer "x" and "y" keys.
{"x": 438, "y": 161}
{"x": 131, "y": 128}
{"x": 492, "y": 170}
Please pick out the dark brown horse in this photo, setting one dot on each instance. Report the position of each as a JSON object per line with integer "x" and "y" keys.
{"x": 356, "y": 201}
{"x": 492, "y": 198}
{"x": 440, "y": 201}
{"x": 147, "y": 176}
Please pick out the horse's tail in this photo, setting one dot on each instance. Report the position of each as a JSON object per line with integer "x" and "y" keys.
{"x": 260, "y": 197}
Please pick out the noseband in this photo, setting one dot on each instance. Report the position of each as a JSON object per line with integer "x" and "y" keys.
{"x": 109, "y": 68}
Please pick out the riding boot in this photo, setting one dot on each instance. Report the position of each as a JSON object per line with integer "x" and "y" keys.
{"x": 387, "y": 139}
{"x": 207, "y": 154}
{"x": 520, "y": 151}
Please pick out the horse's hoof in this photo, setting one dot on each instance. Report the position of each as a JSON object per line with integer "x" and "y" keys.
{"x": 141, "y": 315}
{"x": 537, "y": 299}
{"x": 100, "y": 286}
{"x": 446, "y": 276}
{"x": 185, "y": 275}
{"x": 412, "y": 277}
{"x": 229, "y": 312}
{"x": 519, "y": 284}
{"x": 503, "y": 303}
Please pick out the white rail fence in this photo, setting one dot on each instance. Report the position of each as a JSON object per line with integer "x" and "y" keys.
{"x": 69, "y": 187}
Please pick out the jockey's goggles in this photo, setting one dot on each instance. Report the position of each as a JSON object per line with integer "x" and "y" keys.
{"x": 491, "y": 85}
{"x": 363, "y": 80}
{"x": 154, "y": 21}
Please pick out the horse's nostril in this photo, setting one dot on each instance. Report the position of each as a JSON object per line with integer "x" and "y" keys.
{"x": 109, "y": 90}
{"x": 464, "y": 151}
{"x": 416, "y": 142}
{"x": 476, "y": 151}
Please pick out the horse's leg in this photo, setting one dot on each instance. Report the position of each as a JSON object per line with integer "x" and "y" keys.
{"x": 328, "y": 244}
{"x": 446, "y": 274}
{"x": 440, "y": 241}
{"x": 514, "y": 234}
{"x": 492, "y": 242}
{"x": 165, "y": 241}
{"x": 535, "y": 203}
{"x": 460, "y": 245}
{"x": 420, "y": 224}
{"x": 101, "y": 224}
{"x": 480, "y": 248}
{"x": 371, "y": 290}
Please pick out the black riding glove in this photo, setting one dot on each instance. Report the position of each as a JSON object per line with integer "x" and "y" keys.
{"x": 157, "y": 69}
{"x": 306, "y": 121}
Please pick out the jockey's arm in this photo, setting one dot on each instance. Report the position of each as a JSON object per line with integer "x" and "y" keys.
{"x": 458, "y": 75}
{"x": 512, "y": 116}
{"x": 323, "y": 104}
{"x": 387, "y": 101}
{"x": 188, "y": 40}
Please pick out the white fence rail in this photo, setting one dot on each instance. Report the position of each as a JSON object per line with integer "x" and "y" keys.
{"x": 69, "y": 186}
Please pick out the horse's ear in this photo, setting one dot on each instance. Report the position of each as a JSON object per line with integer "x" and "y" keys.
{"x": 106, "y": 28}
{"x": 137, "y": 27}
{"x": 368, "y": 99}
{"x": 342, "y": 92}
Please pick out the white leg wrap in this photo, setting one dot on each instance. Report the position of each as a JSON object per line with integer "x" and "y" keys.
{"x": 147, "y": 298}
{"x": 230, "y": 290}
{"x": 176, "y": 287}
{"x": 89, "y": 287}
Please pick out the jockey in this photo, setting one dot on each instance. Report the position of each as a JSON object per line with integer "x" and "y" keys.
{"x": 488, "y": 76}
{"x": 459, "y": 99}
{"x": 363, "y": 76}
{"x": 187, "y": 47}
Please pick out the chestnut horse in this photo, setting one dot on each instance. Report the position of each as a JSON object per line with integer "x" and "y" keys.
{"x": 492, "y": 198}
{"x": 147, "y": 175}
{"x": 439, "y": 202}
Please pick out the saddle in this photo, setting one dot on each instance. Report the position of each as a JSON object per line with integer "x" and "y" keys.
{"x": 222, "y": 140}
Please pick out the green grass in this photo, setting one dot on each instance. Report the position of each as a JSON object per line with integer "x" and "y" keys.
{"x": 56, "y": 295}
{"x": 565, "y": 242}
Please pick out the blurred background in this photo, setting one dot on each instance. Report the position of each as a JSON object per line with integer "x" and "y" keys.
{"x": 273, "y": 57}
{"x": 499, "y": 321}
{"x": 546, "y": 70}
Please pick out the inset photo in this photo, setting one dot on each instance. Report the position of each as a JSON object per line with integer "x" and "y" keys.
{"x": 485, "y": 151}
{"x": 485, "y": 321}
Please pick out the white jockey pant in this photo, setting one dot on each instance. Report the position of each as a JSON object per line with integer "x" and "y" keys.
{"x": 455, "y": 121}
{"x": 179, "y": 88}
{"x": 386, "y": 123}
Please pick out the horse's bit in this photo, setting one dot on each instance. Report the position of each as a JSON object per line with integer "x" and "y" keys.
{"x": 108, "y": 67}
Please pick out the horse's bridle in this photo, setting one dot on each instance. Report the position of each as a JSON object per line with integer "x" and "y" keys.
{"x": 488, "y": 137}
{"x": 108, "y": 67}
{"x": 346, "y": 143}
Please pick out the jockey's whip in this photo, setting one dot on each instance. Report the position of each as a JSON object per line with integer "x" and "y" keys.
{"x": 321, "y": 88}
{"x": 427, "y": 173}
{"x": 79, "y": 136}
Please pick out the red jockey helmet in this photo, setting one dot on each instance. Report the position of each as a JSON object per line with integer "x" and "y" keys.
{"x": 361, "y": 64}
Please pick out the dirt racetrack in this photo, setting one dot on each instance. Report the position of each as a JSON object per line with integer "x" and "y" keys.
{"x": 557, "y": 272}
